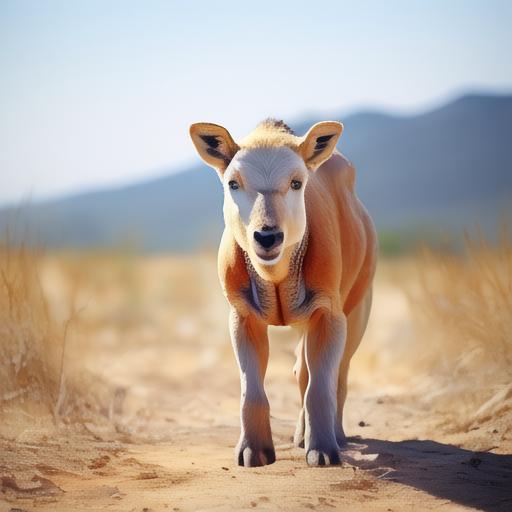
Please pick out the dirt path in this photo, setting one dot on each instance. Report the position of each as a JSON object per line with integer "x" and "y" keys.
{"x": 175, "y": 414}
{"x": 195, "y": 471}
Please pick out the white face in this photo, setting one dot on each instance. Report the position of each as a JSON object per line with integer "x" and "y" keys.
{"x": 264, "y": 201}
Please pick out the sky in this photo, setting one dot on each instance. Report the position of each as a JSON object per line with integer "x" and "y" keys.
{"x": 101, "y": 93}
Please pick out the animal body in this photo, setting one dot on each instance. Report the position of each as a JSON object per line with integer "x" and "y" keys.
{"x": 298, "y": 249}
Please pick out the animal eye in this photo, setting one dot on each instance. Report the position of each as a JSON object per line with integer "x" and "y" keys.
{"x": 296, "y": 184}
{"x": 233, "y": 185}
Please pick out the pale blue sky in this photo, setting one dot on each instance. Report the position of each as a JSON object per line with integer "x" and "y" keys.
{"x": 96, "y": 93}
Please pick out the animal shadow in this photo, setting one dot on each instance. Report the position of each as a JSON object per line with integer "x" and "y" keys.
{"x": 481, "y": 480}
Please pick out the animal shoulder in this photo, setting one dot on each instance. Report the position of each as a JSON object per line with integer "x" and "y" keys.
{"x": 337, "y": 171}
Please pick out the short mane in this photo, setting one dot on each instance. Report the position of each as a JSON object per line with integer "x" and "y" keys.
{"x": 271, "y": 133}
{"x": 276, "y": 124}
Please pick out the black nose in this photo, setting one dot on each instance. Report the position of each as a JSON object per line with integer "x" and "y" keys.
{"x": 268, "y": 240}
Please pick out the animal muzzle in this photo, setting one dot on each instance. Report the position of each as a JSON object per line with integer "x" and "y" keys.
{"x": 268, "y": 241}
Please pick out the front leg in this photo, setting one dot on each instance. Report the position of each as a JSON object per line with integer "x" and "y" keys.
{"x": 250, "y": 343}
{"x": 325, "y": 342}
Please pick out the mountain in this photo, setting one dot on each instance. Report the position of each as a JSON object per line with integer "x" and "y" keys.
{"x": 441, "y": 170}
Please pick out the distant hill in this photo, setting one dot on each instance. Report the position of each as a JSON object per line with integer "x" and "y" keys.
{"x": 441, "y": 170}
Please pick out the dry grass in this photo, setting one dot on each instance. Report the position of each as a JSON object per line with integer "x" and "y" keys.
{"x": 30, "y": 343}
{"x": 36, "y": 349}
{"x": 462, "y": 313}
{"x": 467, "y": 301}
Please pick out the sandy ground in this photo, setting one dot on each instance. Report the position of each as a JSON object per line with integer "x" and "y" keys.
{"x": 167, "y": 437}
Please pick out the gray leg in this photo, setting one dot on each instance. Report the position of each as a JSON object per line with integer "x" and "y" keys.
{"x": 357, "y": 321}
{"x": 250, "y": 343}
{"x": 325, "y": 343}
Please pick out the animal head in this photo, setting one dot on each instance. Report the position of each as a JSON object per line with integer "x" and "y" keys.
{"x": 264, "y": 178}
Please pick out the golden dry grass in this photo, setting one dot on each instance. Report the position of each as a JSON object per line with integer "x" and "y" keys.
{"x": 466, "y": 302}
{"x": 30, "y": 343}
{"x": 40, "y": 366}
{"x": 462, "y": 309}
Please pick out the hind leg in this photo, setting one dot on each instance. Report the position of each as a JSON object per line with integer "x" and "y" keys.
{"x": 341, "y": 397}
{"x": 300, "y": 370}
{"x": 357, "y": 321}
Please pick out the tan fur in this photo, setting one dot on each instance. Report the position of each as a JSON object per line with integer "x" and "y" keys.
{"x": 267, "y": 134}
{"x": 321, "y": 285}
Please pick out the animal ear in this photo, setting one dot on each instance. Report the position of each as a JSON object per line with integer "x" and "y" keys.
{"x": 214, "y": 145}
{"x": 319, "y": 143}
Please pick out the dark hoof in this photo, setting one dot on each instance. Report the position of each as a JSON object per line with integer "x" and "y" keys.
{"x": 250, "y": 458}
{"x": 323, "y": 458}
